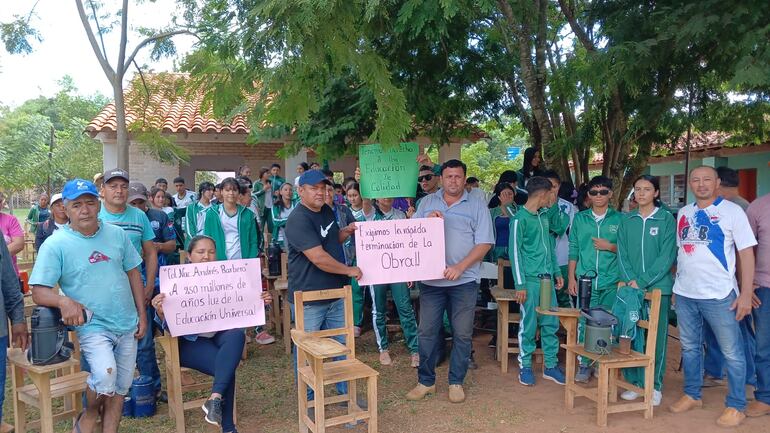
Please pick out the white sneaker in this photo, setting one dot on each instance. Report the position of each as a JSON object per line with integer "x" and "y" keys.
{"x": 629, "y": 395}
{"x": 657, "y": 396}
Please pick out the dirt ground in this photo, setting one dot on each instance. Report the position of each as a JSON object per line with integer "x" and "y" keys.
{"x": 496, "y": 402}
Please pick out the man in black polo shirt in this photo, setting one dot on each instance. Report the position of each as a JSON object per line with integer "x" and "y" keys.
{"x": 316, "y": 258}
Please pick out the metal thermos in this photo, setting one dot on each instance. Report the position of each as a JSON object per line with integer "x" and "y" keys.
{"x": 274, "y": 259}
{"x": 546, "y": 291}
{"x": 585, "y": 283}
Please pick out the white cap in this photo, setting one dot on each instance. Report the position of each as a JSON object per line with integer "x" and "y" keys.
{"x": 55, "y": 198}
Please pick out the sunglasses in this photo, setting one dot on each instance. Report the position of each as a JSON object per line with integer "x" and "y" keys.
{"x": 595, "y": 192}
{"x": 427, "y": 177}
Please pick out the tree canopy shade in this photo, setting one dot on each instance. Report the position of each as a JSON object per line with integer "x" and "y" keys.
{"x": 25, "y": 136}
{"x": 581, "y": 76}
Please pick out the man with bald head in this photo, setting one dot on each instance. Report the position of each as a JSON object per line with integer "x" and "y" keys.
{"x": 709, "y": 231}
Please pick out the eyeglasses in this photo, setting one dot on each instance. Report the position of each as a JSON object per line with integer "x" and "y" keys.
{"x": 427, "y": 177}
{"x": 595, "y": 192}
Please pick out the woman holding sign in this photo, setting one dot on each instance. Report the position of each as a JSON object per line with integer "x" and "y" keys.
{"x": 362, "y": 210}
{"x": 216, "y": 354}
{"x": 401, "y": 298}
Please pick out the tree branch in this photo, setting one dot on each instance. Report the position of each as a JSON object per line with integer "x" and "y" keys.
{"x": 154, "y": 38}
{"x": 122, "y": 66}
{"x": 575, "y": 26}
{"x": 98, "y": 28}
{"x": 108, "y": 71}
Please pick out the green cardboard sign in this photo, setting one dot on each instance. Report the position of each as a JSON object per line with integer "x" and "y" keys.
{"x": 388, "y": 172}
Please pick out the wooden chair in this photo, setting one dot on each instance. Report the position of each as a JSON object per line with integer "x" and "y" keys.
{"x": 315, "y": 347}
{"x": 69, "y": 385}
{"x": 281, "y": 303}
{"x": 609, "y": 366}
{"x": 504, "y": 297}
{"x": 174, "y": 386}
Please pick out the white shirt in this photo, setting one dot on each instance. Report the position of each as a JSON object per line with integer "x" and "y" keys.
{"x": 562, "y": 242}
{"x": 232, "y": 236}
{"x": 707, "y": 239}
{"x": 189, "y": 198}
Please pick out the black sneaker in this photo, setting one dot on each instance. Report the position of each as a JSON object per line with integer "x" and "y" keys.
{"x": 493, "y": 342}
{"x": 213, "y": 410}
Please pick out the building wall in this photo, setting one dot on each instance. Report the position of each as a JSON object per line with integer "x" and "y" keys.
{"x": 757, "y": 160}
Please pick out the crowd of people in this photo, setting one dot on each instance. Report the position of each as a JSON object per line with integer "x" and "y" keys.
{"x": 102, "y": 243}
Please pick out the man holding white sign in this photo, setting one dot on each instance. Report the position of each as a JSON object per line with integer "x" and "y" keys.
{"x": 469, "y": 236}
{"x": 316, "y": 258}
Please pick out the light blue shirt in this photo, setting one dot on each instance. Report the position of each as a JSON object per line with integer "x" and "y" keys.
{"x": 134, "y": 222}
{"x": 92, "y": 270}
{"x": 467, "y": 223}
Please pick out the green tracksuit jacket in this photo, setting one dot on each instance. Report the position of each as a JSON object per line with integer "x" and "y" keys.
{"x": 191, "y": 221}
{"x": 247, "y": 231}
{"x": 279, "y": 223}
{"x": 581, "y": 246}
{"x": 646, "y": 252}
{"x": 532, "y": 252}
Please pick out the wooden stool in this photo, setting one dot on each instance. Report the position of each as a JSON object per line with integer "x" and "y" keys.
{"x": 174, "y": 387}
{"x": 40, "y": 394}
{"x": 312, "y": 349}
{"x": 609, "y": 366}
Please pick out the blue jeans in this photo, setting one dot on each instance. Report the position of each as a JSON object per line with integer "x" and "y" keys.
{"x": 3, "y": 353}
{"x": 714, "y": 362}
{"x": 691, "y": 315}
{"x": 762, "y": 357}
{"x": 218, "y": 356}
{"x": 460, "y": 304}
{"x": 146, "y": 361}
{"x": 319, "y": 316}
{"x": 111, "y": 358}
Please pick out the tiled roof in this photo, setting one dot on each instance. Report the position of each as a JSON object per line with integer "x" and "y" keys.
{"x": 698, "y": 141}
{"x": 179, "y": 115}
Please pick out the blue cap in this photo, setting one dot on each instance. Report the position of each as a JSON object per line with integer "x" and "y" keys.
{"x": 312, "y": 177}
{"x": 77, "y": 187}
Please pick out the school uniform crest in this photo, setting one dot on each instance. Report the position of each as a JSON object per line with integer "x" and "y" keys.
{"x": 613, "y": 228}
{"x": 653, "y": 231}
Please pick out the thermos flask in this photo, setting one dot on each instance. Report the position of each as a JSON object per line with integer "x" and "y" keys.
{"x": 546, "y": 290}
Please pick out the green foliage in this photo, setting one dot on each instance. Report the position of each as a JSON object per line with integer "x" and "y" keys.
{"x": 18, "y": 36}
{"x": 25, "y": 135}
{"x": 487, "y": 159}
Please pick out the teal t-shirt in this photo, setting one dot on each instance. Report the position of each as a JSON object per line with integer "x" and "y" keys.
{"x": 92, "y": 270}
{"x": 134, "y": 222}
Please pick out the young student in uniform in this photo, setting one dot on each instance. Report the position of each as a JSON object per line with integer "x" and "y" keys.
{"x": 196, "y": 211}
{"x": 593, "y": 242}
{"x": 560, "y": 216}
{"x": 231, "y": 225}
{"x": 646, "y": 252}
{"x": 283, "y": 205}
{"x": 362, "y": 210}
{"x": 532, "y": 253}
{"x": 401, "y": 298}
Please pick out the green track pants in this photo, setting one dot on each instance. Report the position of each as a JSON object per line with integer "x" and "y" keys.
{"x": 604, "y": 297}
{"x": 636, "y": 375}
{"x": 358, "y": 302}
{"x": 403, "y": 301}
{"x": 530, "y": 322}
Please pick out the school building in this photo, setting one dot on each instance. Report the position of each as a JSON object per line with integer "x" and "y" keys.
{"x": 710, "y": 148}
{"x": 213, "y": 145}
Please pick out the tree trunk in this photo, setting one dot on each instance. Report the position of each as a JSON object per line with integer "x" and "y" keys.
{"x": 532, "y": 76}
{"x": 120, "y": 120}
